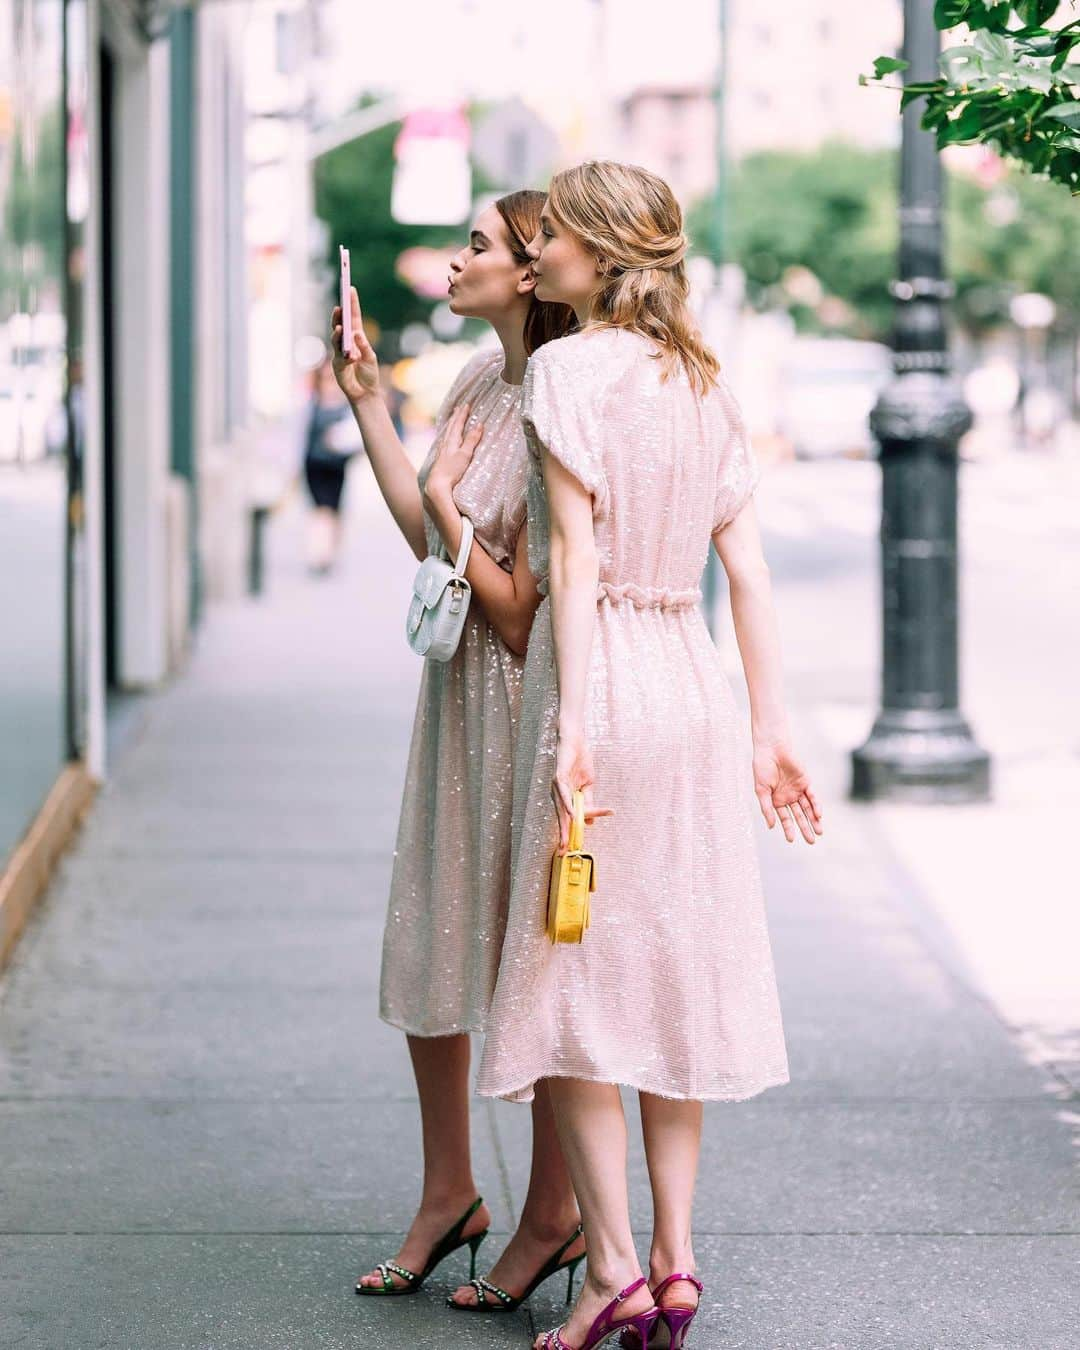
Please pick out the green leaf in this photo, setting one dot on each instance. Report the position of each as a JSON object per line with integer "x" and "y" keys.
{"x": 949, "y": 13}
{"x": 966, "y": 127}
{"x": 934, "y": 117}
{"x": 989, "y": 14}
{"x": 885, "y": 65}
{"x": 994, "y": 46}
{"x": 1064, "y": 43}
{"x": 1036, "y": 46}
{"x": 1034, "y": 76}
{"x": 1036, "y": 12}
{"x": 959, "y": 64}
{"x": 1069, "y": 113}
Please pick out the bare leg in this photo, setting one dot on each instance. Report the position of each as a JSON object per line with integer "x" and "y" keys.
{"x": 322, "y": 532}
{"x": 592, "y": 1131}
{"x": 441, "y": 1068}
{"x": 549, "y": 1215}
{"x": 337, "y": 532}
{"x": 672, "y": 1133}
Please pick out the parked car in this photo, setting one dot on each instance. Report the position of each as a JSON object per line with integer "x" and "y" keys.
{"x": 827, "y": 389}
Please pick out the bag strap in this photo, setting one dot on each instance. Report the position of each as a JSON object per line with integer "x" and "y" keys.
{"x": 465, "y": 547}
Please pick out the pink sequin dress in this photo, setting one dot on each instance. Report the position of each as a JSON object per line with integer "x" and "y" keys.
{"x": 672, "y": 991}
{"x": 451, "y": 879}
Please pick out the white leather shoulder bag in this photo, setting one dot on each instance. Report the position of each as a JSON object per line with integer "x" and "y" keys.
{"x": 440, "y": 601}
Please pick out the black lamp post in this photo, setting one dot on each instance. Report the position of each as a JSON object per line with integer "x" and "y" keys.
{"x": 921, "y": 748}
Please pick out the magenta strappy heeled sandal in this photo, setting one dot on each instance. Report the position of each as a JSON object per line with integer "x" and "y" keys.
{"x": 674, "y": 1321}
{"x": 606, "y": 1324}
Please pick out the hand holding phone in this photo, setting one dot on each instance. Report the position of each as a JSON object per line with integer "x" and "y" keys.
{"x": 346, "y": 302}
{"x": 356, "y": 367}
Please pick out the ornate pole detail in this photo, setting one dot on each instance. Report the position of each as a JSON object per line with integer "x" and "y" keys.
{"x": 921, "y": 748}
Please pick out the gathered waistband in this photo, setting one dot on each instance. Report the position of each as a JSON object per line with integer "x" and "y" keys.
{"x": 641, "y": 597}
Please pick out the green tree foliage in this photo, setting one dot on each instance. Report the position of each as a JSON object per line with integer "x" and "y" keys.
{"x": 32, "y": 235}
{"x": 833, "y": 211}
{"x": 352, "y": 195}
{"x": 1015, "y": 85}
{"x": 1022, "y": 234}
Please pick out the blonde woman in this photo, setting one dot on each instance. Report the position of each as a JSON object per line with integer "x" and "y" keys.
{"x": 640, "y": 464}
{"x": 450, "y": 884}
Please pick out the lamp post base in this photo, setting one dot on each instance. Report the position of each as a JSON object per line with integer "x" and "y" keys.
{"x": 920, "y": 756}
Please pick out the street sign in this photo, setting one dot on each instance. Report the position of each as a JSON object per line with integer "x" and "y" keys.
{"x": 514, "y": 146}
{"x": 432, "y": 178}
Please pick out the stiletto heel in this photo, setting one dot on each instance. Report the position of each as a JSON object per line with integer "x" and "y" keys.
{"x": 607, "y": 1325}
{"x": 572, "y": 1269}
{"x": 507, "y": 1302}
{"x": 675, "y": 1320}
{"x": 474, "y": 1247}
{"x": 450, "y": 1241}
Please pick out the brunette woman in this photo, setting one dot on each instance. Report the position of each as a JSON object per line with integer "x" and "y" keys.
{"x": 450, "y": 885}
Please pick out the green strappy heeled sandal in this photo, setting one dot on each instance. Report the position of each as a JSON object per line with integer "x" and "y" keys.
{"x": 449, "y": 1242}
{"x": 507, "y": 1303}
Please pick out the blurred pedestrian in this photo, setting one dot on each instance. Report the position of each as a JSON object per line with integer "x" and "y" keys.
{"x": 393, "y": 398}
{"x": 640, "y": 462}
{"x": 450, "y": 884}
{"x": 330, "y": 442}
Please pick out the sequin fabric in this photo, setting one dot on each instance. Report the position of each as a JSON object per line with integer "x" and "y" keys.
{"x": 672, "y": 990}
{"x": 450, "y": 882}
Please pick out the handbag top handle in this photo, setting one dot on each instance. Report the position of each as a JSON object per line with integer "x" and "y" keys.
{"x": 465, "y": 547}
{"x": 577, "y": 825}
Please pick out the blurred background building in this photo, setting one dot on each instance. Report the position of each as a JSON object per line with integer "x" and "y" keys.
{"x": 135, "y": 256}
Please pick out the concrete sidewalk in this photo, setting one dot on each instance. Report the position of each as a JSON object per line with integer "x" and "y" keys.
{"x": 206, "y": 1133}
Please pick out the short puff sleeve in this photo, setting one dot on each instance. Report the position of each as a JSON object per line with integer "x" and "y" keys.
{"x": 559, "y": 414}
{"x": 738, "y": 470}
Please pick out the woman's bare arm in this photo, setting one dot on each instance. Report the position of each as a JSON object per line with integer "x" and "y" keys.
{"x": 357, "y": 374}
{"x": 509, "y": 599}
{"x": 393, "y": 470}
{"x": 780, "y": 783}
{"x": 738, "y": 545}
{"x": 574, "y": 573}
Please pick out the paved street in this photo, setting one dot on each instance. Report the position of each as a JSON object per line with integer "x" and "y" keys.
{"x": 206, "y": 1133}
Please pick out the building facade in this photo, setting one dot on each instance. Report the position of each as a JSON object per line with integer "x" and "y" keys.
{"x": 122, "y": 381}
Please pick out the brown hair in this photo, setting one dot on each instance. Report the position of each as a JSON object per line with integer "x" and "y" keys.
{"x": 629, "y": 219}
{"x": 545, "y": 320}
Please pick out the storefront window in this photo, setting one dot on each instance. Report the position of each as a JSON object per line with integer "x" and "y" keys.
{"x": 34, "y": 436}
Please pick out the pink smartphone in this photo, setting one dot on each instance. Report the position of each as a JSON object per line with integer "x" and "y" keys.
{"x": 346, "y": 302}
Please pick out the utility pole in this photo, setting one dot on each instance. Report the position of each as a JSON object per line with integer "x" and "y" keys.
{"x": 717, "y": 249}
{"x": 921, "y": 747}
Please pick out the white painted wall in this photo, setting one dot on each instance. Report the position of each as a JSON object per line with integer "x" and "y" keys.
{"x": 93, "y": 445}
{"x": 140, "y": 301}
{"x": 221, "y": 301}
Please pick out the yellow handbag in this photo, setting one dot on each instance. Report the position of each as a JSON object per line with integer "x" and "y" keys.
{"x": 573, "y": 878}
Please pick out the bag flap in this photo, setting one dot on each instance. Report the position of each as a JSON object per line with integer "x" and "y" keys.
{"x": 431, "y": 580}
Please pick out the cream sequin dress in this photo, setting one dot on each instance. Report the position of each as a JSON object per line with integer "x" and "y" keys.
{"x": 451, "y": 877}
{"x": 672, "y": 991}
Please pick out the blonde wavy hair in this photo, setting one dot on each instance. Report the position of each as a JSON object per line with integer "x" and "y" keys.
{"x": 629, "y": 220}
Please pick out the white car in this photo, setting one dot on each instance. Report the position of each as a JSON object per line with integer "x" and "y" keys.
{"x": 827, "y": 388}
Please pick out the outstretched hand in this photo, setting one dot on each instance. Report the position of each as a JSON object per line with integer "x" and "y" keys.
{"x": 357, "y": 370}
{"x": 784, "y": 793}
